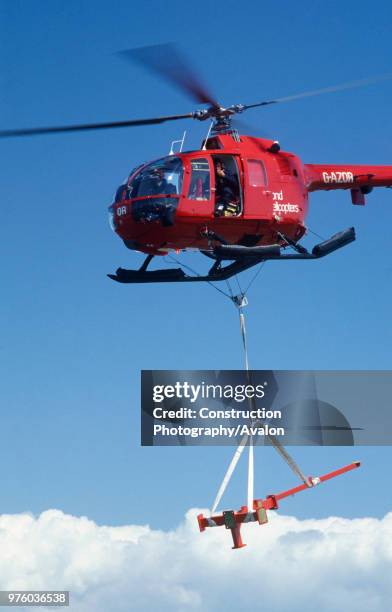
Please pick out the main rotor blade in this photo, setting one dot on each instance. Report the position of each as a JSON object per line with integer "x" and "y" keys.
{"x": 167, "y": 62}
{"x": 82, "y": 127}
{"x": 325, "y": 90}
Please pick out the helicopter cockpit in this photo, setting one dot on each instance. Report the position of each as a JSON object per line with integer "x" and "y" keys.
{"x": 155, "y": 190}
{"x": 162, "y": 177}
{"x": 208, "y": 186}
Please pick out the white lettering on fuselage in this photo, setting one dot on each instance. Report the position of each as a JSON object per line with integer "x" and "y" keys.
{"x": 121, "y": 210}
{"x": 286, "y": 208}
{"x": 278, "y": 205}
{"x": 277, "y": 195}
{"x": 338, "y": 177}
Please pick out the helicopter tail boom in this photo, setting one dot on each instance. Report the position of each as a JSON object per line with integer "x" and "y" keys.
{"x": 359, "y": 179}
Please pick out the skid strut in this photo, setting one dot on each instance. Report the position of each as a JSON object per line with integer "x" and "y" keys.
{"x": 233, "y": 520}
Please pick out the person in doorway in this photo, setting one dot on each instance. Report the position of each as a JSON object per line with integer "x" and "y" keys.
{"x": 226, "y": 192}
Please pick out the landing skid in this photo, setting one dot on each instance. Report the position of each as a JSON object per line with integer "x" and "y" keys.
{"x": 242, "y": 258}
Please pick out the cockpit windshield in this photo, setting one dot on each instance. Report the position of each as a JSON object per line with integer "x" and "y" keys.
{"x": 163, "y": 177}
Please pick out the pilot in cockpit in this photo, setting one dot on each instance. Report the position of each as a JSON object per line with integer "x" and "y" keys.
{"x": 160, "y": 184}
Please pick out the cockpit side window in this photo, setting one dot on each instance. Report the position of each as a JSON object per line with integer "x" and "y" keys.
{"x": 199, "y": 188}
{"x": 163, "y": 177}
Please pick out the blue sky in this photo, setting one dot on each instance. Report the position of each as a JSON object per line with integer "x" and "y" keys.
{"x": 73, "y": 343}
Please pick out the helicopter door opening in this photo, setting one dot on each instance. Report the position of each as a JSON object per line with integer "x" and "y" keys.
{"x": 228, "y": 193}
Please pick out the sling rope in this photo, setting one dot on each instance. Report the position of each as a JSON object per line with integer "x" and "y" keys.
{"x": 247, "y": 440}
{"x": 240, "y": 302}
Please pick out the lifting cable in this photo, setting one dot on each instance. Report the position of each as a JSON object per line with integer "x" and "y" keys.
{"x": 240, "y": 301}
{"x": 247, "y": 440}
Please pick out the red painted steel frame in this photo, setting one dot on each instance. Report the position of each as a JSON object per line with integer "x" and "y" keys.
{"x": 260, "y": 506}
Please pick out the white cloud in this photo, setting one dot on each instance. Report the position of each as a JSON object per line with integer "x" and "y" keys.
{"x": 309, "y": 565}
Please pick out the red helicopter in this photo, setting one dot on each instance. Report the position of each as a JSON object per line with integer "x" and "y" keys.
{"x": 239, "y": 199}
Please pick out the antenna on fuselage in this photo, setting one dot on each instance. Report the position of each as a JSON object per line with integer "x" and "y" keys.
{"x": 171, "y": 152}
{"x": 204, "y": 147}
